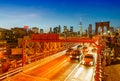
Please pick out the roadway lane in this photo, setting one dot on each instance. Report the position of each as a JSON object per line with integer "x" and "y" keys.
{"x": 81, "y": 73}
{"x": 56, "y": 69}
{"x": 59, "y": 69}
{"x": 53, "y": 69}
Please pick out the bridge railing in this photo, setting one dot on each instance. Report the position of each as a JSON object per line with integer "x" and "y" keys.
{"x": 100, "y": 65}
{"x": 20, "y": 68}
{"x": 10, "y": 73}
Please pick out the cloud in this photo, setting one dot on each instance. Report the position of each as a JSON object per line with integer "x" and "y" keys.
{"x": 17, "y": 15}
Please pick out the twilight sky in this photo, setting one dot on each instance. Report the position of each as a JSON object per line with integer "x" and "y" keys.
{"x": 51, "y": 13}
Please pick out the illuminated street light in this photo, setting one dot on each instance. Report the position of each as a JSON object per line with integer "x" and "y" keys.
{"x": 104, "y": 33}
{"x": 108, "y": 32}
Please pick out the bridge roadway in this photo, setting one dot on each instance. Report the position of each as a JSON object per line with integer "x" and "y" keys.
{"x": 59, "y": 69}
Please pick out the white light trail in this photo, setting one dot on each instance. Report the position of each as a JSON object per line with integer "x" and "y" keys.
{"x": 89, "y": 75}
{"x": 78, "y": 72}
{"x": 71, "y": 72}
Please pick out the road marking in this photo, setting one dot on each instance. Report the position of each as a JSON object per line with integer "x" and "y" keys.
{"x": 71, "y": 72}
{"x": 78, "y": 72}
{"x": 89, "y": 74}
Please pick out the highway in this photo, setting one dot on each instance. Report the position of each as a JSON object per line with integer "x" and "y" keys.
{"x": 81, "y": 73}
{"x": 59, "y": 69}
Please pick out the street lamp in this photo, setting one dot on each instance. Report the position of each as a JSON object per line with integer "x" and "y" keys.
{"x": 108, "y": 32}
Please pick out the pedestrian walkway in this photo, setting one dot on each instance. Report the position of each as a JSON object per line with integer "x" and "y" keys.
{"x": 113, "y": 72}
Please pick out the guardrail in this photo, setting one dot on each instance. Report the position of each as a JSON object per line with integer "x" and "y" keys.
{"x": 10, "y": 73}
{"x": 100, "y": 74}
{"x": 27, "y": 67}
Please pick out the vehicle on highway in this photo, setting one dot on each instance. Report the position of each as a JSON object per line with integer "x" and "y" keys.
{"x": 68, "y": 52}
{"x": 88, "y": 59}
{"x": 75, "y": 55}
{"x": 79, "y": 47}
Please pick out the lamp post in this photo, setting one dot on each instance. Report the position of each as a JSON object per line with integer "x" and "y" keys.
{"x": 108, "y": 32}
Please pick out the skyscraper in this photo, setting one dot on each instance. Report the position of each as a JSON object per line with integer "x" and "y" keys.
{"x": 35, "y": 29}
{"x": 59, "y": 28}
{"x": 80, "y": 28}
{"x": 71, "y": 28}
{"x": 65, "y": 29}
{"x": 90, "y": 30}
{"x": 50, "y": 30}
{"x": 41, "y": 31}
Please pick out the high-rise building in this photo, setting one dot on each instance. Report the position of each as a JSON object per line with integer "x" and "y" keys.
{"x": 41, "y": 31}
{"x": 90, "y": 30}
{"x": 65, "y": 29}
{"x": 81, "y": 32}
{"x": 8, "y": 40}
{"x": 59, "y": 27}
{"x": 111, "y": 30}
{"x": 50, "y": 30}
{"x": 71, "y": 29}
{"x": 26, "y": 27}
{"x": 35, "y": 29}
{"x": 54, "y": 30}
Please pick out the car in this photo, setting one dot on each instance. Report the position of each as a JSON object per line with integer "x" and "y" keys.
{"x": 88, "y": 59}
{"x": 69, "y": 51}
{"x": 75, "y": 55}
{"x": 79, "y": 47}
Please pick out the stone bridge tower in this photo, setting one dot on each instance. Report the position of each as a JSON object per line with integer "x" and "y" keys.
{"x": 101, "y": 25}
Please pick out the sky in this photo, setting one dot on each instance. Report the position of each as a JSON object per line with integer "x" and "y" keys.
{"x": 51, "y": 13}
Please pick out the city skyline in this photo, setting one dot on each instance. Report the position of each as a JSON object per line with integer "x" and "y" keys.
{"x": 51, "y": 13}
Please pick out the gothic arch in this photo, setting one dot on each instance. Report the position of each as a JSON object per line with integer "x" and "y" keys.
{"x": 101, "y": 25}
